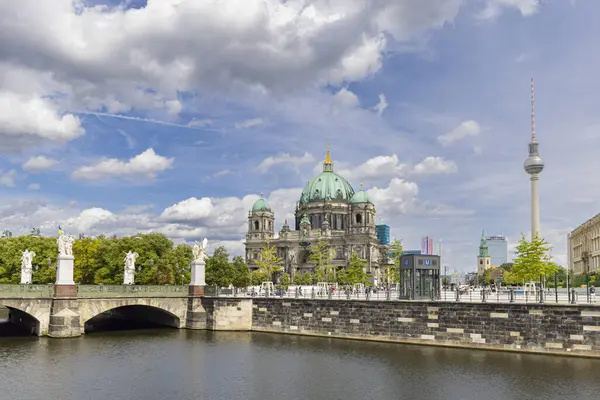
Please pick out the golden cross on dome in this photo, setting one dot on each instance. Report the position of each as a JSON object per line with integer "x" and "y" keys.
{"x": 361, "y": 185}
{"x": 261, "y": 195}
{"x": 328, "y": 156}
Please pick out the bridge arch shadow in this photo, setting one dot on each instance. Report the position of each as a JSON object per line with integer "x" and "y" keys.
{"x": 131, "y": 317}
{"x": 19, "y": 323}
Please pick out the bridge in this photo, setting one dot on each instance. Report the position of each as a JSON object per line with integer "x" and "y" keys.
{"x": 47, "y": 310}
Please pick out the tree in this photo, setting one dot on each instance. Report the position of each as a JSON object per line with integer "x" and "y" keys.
{"x": 355, "y": 272}
{"x": 533, "y": 260}
{"x": 307, "y": 278}
{"x": 285, "y": 280}
{"x": 241, "y": 272}
{"x": 268, "y": 261}
{"x": 320, "y": 257}
{"x": 219, "y": 271}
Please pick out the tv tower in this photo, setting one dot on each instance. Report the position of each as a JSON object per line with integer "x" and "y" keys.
{"x": 534, "y": 164}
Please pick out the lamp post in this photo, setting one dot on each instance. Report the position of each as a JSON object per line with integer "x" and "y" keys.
{"x": 585, "y": 258}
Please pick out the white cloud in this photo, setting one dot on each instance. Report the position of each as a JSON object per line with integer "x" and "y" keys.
{"x": 494, "y": 8}
{"x": 8, "y": 178}
{"x": 39, "y": 163}
{"x": 25, "y": 119}
{"x": 399, "y": 196}
{"x": 249, "y": 123}
{"x": 34, "y": 186}
{"x": 435, "y": 165}
{"x": 344, "y": 99}
{"x": 377, "y": 169}
{"x": 462, "y": 131}
{"x": 382, "y": 105}
{"x": 285, "y": 158}
{"x": 145, "y": 165}
{"x": 273, "y": 45}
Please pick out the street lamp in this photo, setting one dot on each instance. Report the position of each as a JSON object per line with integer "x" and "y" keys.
{"x": 585, "y": 258}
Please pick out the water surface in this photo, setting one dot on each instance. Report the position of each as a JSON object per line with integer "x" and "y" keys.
{"x": 180, "y": 364}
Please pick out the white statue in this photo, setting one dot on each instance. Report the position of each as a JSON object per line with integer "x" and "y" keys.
{"x": 129, "y": 274}
{"x": 199, "y": 250}
{"x": 65, "y": 245}
{"x": 26, "y": 268}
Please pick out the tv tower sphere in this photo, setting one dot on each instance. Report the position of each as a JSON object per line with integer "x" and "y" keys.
{"x": 534, "y": 164}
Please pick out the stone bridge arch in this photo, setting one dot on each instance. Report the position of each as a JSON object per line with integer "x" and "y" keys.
{"x": 175, "y": 306}
{"x": 31, "y": 313}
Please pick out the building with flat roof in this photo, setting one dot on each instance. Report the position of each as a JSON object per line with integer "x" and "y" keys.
{"x": 584, "y": 247}
{"x": 497, "y": 249}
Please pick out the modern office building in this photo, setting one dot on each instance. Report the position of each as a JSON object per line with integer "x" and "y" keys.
{"x": 497, "y": 249}
{"x": 427, "y": 246}
{"x": 383, "y": 233}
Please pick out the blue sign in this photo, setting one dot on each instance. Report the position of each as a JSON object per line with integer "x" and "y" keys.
{"x": 427, "y": 262}
{"x": 405, "y": 262}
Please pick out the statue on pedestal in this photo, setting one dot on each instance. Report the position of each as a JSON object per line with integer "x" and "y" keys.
{"x": 199, "y": 250}
{"x": 26, "y": 268}
{"x": 129, "y": 274}
{"x": 65, "y": 245}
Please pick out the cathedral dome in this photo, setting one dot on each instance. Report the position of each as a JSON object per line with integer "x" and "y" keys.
{"x": 327, "y": 186}
{"x": 261, "y": 205}
{"x": 360, "y": 197}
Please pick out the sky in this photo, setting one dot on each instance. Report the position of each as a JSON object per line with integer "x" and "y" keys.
{"x": 173, "y": 116}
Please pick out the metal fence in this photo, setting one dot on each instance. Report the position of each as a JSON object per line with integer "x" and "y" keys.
{"x": 560, "y": 296}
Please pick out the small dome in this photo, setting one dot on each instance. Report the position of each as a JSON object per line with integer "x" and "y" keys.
{"x": 261, "y": 205}
{"x": 360, "y": 197}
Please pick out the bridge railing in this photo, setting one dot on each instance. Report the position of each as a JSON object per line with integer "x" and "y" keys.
{"x": 131, "y": 290}
{"x": 26, "y": 291}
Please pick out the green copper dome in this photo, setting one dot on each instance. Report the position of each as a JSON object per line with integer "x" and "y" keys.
{"x": 360, "y": 197}
{"x": 261, "y": 205}
{"x": 327, "y": 186}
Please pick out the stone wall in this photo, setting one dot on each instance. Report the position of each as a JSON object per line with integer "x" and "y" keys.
{"x": 518, "y": 327}
{"x": 224, "y": 314}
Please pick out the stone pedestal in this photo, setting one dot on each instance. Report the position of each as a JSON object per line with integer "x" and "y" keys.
{"x": 198, "y": 267}
{"x": 64, "y": 319}
{"x": 65, "y": 286}
{"x": 196, "y": 313}
{"x": 64, "y": 270}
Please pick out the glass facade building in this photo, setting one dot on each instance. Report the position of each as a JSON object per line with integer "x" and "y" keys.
{"x": 498, "y": 249}
{"x": 383, "y": 233}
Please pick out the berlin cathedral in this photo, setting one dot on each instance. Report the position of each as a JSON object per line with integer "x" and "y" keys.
{"x": 328, "y": 209}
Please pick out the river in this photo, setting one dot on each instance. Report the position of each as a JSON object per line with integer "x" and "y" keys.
{"x": 168, "y": 364}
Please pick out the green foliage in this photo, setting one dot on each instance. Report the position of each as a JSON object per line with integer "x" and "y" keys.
{"x": 257, "y": 278}
{"x": 219, "y": 271}
{"x": 533, "y": 260}
{"x": 392, "y": 272}
{"x": 268, "y": 261}
{"x": 285, "y": 280}
{"x": 241, "y": 277}
{"x": 99, "y": 260}
{"x": 320, "y": 257}
{"x": 354, "y": 273}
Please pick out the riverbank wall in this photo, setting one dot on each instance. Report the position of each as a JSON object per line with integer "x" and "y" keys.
{"x": 538, "y": 328}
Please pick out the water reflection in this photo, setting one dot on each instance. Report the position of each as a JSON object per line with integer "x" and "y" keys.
{"x": 169, "y": 364}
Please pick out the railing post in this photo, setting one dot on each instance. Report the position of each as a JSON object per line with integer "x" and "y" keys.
{"x": 483, "y": 294}
{"x": 312, "y": 295}
{"x": 512, "y": 296}
{"x": 388, "y": 294}
{"x": 457, "y": 294}
{"x": 573, "y": 299}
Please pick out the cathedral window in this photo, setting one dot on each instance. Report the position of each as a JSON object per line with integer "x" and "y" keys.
{"x": 480, "y": 262}
{"x": 256, "y": 225}
{"x": 338, "y": 194}
{"x": 358, "y": 218}
{"x": 270, "y": 225}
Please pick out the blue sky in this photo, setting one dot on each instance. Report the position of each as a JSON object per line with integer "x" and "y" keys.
{"x": 126, "y": 117}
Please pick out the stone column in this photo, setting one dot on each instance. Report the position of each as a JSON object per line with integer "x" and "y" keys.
{"x": 65, "y": 286}
{"x": 196, "y": 313}
{"x": 197, "y": 281}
